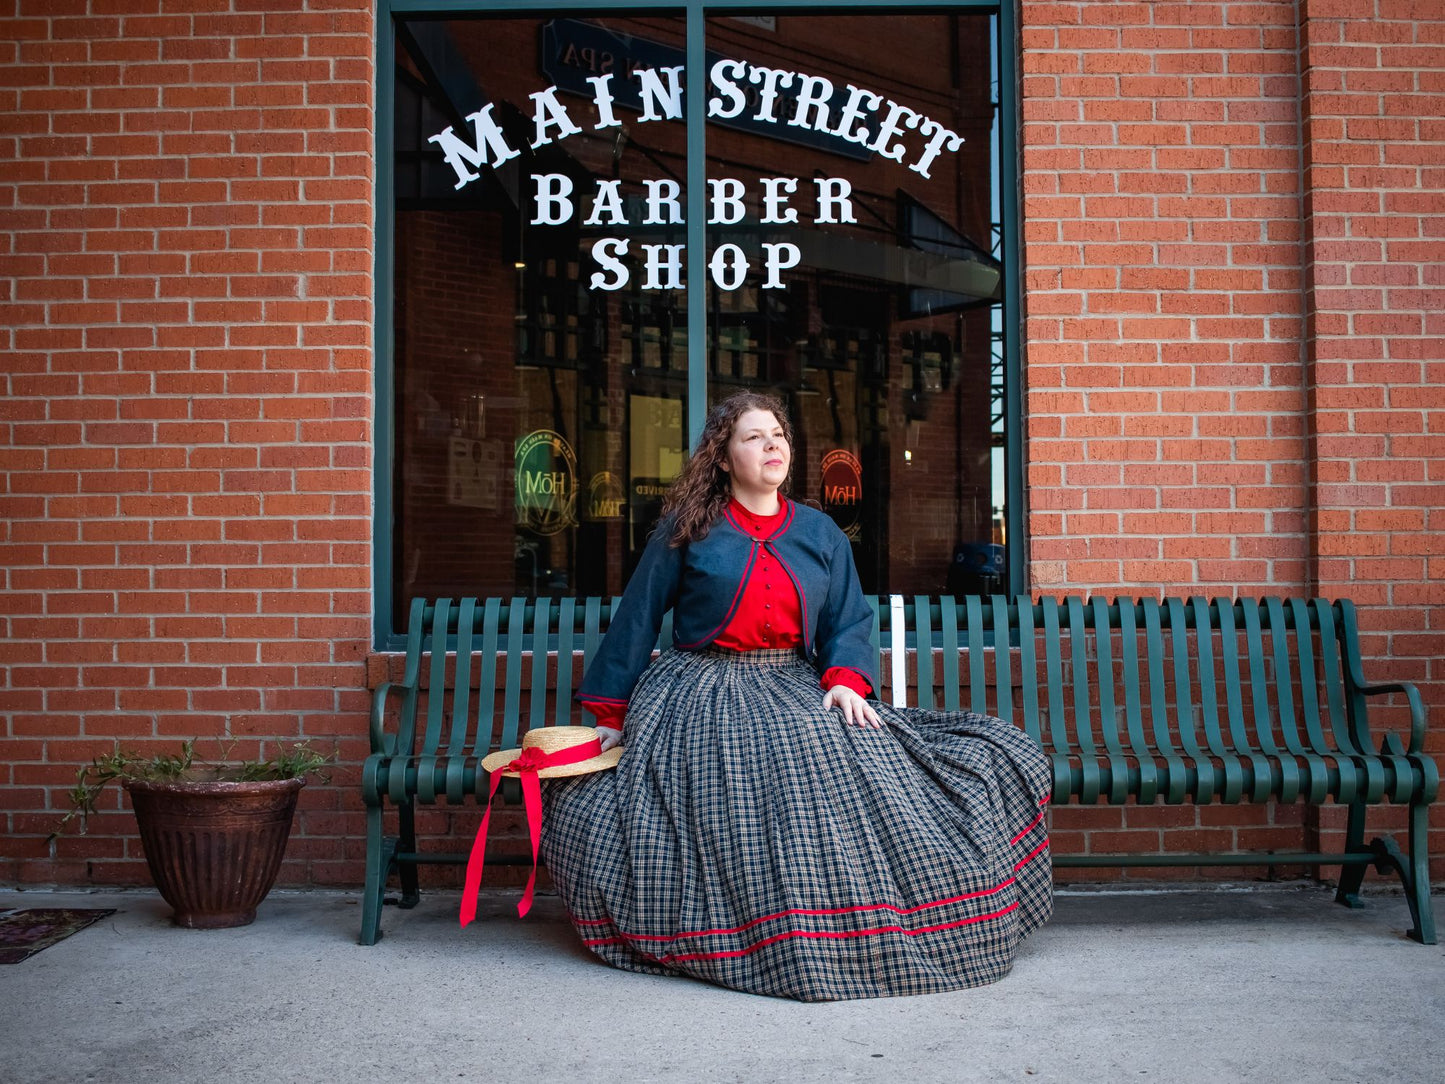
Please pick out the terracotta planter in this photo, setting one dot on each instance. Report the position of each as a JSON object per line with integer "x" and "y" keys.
{"x": 214, "y": 849}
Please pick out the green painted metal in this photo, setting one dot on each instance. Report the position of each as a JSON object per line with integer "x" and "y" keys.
{"x": 948, "y": 640}
{"x": 1002, "y": 651}
{"x": 1274, "y": 745}
{"x": 924, "y": 652}
{"x": 977, "y": 682}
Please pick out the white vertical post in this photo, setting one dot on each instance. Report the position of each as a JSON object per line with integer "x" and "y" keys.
{"x": 898, "y": 645}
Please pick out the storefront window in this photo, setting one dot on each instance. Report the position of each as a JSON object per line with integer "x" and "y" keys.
{"x": 539, "y": 326}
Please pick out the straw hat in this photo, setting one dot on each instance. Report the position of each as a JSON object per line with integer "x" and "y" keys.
{"x": 550, "y": 740}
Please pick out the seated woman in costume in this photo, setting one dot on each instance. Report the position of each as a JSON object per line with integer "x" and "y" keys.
{"x": 768, "y": 827}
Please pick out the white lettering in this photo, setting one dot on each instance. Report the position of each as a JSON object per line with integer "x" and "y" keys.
{"x": 938, "y": 138}
{"x": 605, "y": 252}
{"x": 653, "y": 93}
{"x": 553, "y": 205}
{"x": 602, "y": 98}
{"x": 716, "y": 107}
{"x": 775, "y": 208}
{"x": 890, "y": 129}
{"x": 834, "y": 195}
{"x": 457, "y": 152}
{"x": 726, "y": 196}
{"x": 851, "y": 114}
{"x": 662, "y": 194}
{"x": 813, "y": 94}
{"x": 728, "y": 267}
{"x": 547, "y": 112}
{"x": 657, "y": 262}
{"x": 779, "y": 258}
{"x": 609, "y": 203}
{"x": 770, "y": 79}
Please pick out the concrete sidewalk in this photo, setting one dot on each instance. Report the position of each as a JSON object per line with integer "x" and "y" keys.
{"x": 1266, "y": 984}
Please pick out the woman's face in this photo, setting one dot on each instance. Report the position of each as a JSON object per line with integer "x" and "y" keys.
{"x": 758, "y": 456}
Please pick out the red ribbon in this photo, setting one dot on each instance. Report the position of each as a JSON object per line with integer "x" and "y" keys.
{"x": 526, "y": 766}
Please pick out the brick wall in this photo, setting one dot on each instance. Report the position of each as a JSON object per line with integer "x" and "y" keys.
{"x": 1233, "y": 345}
{"x": 1234, "y": 285}
{"x": 185, "y": 483}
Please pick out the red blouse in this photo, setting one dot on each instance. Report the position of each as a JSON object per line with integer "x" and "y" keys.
{"x": 768, "y": 616}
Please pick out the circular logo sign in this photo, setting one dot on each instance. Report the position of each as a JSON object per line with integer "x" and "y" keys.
{"x": 546, "y": 483}
{"x": 604, "y": 496}
{"x": 842, "y": 496}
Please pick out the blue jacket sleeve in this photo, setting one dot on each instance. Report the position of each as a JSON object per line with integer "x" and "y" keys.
{"x": 632, "y": 633}
{"x": 845, "y": 622}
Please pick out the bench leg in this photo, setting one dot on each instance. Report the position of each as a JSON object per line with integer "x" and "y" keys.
{"x": 379, "y": 855}
{"x": 410, "y": 889}
{"x": 1417, "y": 887}
{"x": 1414, "y": 873}
{"x": 1352, "y": 876}
{"x": 1424, "y": 912}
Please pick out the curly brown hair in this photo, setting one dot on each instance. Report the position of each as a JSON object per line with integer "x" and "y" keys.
{"x": 699, "y": 495}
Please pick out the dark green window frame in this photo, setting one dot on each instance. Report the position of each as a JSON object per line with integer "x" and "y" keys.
{"x": 696, "y": 11}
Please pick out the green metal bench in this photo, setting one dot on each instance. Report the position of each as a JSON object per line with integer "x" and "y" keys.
{"x": 1125, "y": 696}
{"x": 1189, "y": 700}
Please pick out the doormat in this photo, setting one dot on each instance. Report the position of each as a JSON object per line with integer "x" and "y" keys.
{"x": 27, "y": 930}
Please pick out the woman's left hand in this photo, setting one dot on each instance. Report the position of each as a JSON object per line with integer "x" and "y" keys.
{"x": 855, "y": 709}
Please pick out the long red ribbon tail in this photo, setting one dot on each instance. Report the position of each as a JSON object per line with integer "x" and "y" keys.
{"x": 477, "y": 859}
{"x": 532, "y": 803}
{"x": 526, "y": 766}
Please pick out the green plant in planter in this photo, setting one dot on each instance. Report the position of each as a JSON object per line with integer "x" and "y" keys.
{"x": 125, "y": 766}
{"x": 213, "y": 832}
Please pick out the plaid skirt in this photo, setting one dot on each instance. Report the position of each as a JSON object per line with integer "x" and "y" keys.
{"x": 754, "y": 840}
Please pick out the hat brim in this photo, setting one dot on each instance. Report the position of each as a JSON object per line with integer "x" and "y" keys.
{"x": 601, "y": 763}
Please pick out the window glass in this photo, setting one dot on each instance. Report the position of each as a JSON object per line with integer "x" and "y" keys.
{"x": 852, "y": 180}
{"x": 539, "y": 303}
{"x": 539, "y": 410}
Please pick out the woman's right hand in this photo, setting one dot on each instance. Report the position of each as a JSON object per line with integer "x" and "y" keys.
{"x": 608, "y": 736}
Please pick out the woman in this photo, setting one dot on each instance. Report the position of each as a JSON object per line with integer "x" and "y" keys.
{"x": 769, "y": 828}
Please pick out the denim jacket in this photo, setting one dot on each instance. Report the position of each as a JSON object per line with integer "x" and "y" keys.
{"x": 701, "y": 582}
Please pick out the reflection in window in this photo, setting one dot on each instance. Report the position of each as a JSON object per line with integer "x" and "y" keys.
{"x": 540, "y": 309}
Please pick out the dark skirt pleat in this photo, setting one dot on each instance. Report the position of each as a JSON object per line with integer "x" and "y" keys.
{"x": 749, "y": 838}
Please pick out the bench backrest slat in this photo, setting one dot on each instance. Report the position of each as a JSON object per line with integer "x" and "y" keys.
{"x": 1028, "y": 668}
{"x": 1155, "y": 662}
{"x": 462, "y": 679}
{"x": 437, "y": 679}
{"x": 1259, "y": 683}
{"x": 948, "y": 641}
{"x": 487, "y": 680}
{"x": 1308, "y": 678}
{"x": 1285, "y": 639}
{"x": 512, "y": 694}
{"x": 923, "y": 631}
{"x": 1330, "y": 664}
{"x": 1002, "y": 655}
{"x": 1098, "y": 618}
{"x": 1129, "y": 650}
{"x": 977, "y": 683}
{"x": 566, "y": 623}
{"x": 875, "y": 637}
{"x": 1079, "y": 659}
{"x": 1179, "y": 612}
{"x": 1229, "y": 656}
{"x": 537, "y": 642}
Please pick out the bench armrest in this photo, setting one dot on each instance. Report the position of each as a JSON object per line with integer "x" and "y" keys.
{"x": 1417, "y": 713}
{"x": 378, "y": 713}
